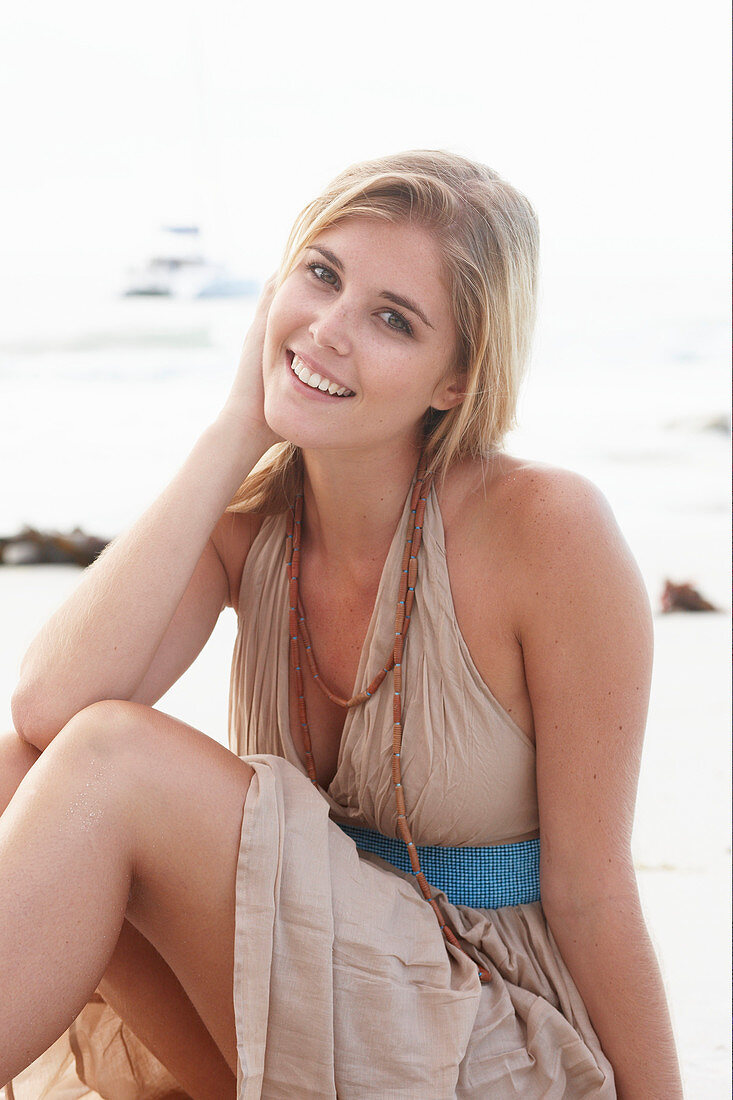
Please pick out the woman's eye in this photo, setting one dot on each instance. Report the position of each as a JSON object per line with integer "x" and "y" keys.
{"x": 401, "y": 325}
{"x": 393, "y": 319}
{"x": 328, "y": 276}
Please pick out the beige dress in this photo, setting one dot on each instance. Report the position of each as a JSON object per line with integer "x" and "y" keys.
{"x": 344, "y": 986}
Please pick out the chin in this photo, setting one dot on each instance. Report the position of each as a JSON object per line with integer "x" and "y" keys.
{"x": 299, "y": 431}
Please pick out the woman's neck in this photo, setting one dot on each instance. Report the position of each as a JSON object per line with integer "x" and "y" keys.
{"x": 352, "y": 505}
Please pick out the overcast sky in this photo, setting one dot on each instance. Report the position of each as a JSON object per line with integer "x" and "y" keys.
{"x": 612, "y": 118}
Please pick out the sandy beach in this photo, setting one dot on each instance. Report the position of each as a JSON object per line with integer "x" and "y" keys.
{"x": 681, "y": 846}
{"x": 636, "y": 408}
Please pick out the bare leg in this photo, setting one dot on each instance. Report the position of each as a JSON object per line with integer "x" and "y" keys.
{"x": 138, "y": 984}
{"x": 127, "y": 812}
{"x": 16, "y": 758}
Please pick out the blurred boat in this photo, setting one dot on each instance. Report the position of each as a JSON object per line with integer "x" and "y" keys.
{"x": 180, "y": 269}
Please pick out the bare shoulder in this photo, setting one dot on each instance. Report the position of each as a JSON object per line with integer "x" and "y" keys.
{"x": 549, "y": 511}
{"x": 537, "y": 564}
{"x": 580, "y": 615}
{"x": 541, "y": 509}
{"x": 232, "y": 537}
{"x": 525, "y": 499}
{"x": 546, "y": 529}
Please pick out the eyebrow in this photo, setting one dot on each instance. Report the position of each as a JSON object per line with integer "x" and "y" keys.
{"x": 398, "y": 300}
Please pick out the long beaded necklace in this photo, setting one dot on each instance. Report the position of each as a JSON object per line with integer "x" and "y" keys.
{"x": 405, "y": 600}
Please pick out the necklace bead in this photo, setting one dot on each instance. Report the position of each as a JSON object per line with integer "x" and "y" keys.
{"x": 405, "y": 599}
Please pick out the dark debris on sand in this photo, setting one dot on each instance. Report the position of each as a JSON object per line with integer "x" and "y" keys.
{"x": 684, "y": 597}
{"x": 33, "y": 547}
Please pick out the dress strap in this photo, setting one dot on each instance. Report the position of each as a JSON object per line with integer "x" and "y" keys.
{"x": 482, "y": 878}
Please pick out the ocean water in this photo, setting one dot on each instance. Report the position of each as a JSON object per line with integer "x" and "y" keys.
{"x": 102, "y": 397}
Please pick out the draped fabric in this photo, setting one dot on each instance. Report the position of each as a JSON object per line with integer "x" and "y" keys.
{"x": 469, "y": 777}
{"x": 343, "y": 984}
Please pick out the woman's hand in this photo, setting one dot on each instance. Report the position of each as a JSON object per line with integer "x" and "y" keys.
{"x": 244, "y": 407}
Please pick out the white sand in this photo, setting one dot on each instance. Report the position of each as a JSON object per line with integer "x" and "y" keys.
{"x": 681, "y": 840}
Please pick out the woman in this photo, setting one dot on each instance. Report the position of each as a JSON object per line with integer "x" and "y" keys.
{"x": 452, "y": 644}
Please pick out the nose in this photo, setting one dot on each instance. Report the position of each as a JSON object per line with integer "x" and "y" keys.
{"x": 331, "y": 328}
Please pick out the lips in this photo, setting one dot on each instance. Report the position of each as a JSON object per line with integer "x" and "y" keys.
{"x": 317, "y": 381}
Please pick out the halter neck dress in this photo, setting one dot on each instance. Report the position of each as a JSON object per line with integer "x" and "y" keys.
{"x": 343, "y": 984}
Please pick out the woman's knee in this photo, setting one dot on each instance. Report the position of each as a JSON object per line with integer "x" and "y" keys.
{"x": 151, "y": 766}
{"x": 147, "y": 747}
{"x": 110, "y": 726}
{"x": 17, "y": 757}
{"x": 100, "y": 748}
{"x": 96, "y": 731}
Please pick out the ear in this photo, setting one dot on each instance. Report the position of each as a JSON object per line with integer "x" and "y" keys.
{"x": 449, "y": 393}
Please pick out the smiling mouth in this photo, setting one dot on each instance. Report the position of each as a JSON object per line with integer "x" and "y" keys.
{"x": 317, "y": 381}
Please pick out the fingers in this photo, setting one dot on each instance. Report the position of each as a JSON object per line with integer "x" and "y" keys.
{"x": 263, "y": 304}
{"x": 268, "y": 290}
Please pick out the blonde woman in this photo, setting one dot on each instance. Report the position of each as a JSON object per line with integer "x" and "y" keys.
{"x": 412, "y": 877}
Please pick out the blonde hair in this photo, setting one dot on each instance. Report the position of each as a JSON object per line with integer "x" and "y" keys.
{"x": 488, "y": 236}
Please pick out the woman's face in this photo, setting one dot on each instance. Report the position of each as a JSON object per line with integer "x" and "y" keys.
{"x": 360, "y": 339}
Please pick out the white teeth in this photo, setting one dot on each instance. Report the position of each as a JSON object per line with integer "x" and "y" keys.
{"x": 315, "y": 381}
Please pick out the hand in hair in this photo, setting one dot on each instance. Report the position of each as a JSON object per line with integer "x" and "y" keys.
{"x": 244, "y": 407}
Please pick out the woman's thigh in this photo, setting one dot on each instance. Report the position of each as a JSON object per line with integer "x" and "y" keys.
{"x": 138, "y": 983}
{"x": 186, "y": 799}
{"x": 144, "y": 992}
{"x": 17, "y": 757}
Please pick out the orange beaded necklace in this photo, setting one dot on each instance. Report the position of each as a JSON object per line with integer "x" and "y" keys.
{"x": 405, "y": 600}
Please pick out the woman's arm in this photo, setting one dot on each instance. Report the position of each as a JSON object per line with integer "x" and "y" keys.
{"x": 586, "y": 637}
{"x": 102, "y": 640}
